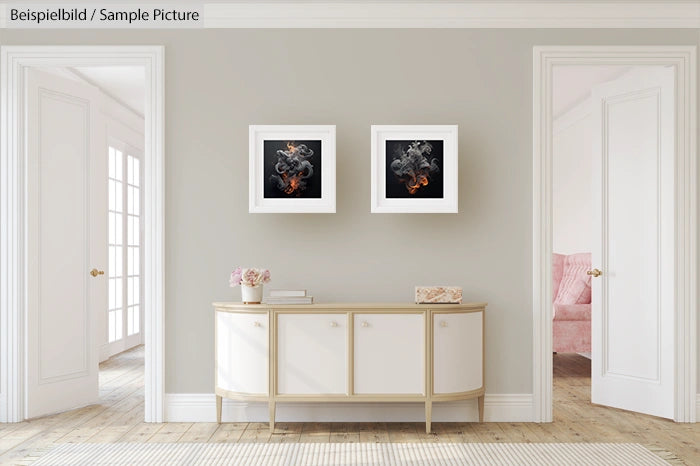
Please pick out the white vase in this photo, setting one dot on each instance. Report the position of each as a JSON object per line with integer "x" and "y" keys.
{"x": 251, "y": 294}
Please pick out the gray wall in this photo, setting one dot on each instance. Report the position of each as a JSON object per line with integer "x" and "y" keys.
{"x": 220, "y": 81}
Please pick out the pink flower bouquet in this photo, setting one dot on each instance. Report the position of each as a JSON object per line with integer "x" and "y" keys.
{"x": 249, "y": 277}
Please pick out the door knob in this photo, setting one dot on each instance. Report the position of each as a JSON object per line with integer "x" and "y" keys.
{"x": 595, "y": 272}
{"x": 365, "y": 324}
{"x": 334, "y": 324}
{"x": 95, "y": 272}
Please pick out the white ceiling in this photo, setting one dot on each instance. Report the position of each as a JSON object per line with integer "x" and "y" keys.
{"x": 573, "y": 83}
{"x": 124, "y": 83}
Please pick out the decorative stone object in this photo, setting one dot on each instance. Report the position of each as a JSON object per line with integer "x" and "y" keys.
{"x": 439, "y": 294}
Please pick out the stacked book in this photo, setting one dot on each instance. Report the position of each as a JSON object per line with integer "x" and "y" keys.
{"x": 288, "y": 297}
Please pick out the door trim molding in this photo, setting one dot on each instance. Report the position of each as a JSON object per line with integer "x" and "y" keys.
{"x": 683, "y": 58}
{"x": 13, "y": 216}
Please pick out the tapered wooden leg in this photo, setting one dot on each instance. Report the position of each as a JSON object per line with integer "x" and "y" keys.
{"x": 481, "y": 408}
{"x": 272, "y": 415}
{"x": 218, "y": 409}
{"x": 428, "y": 415}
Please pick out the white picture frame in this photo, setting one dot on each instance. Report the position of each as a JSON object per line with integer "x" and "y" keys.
{"x": 385, "y": 198}
{"x": 269, "y": 191}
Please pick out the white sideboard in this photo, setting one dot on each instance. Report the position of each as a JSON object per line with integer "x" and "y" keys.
{"x": 349, "y": 352}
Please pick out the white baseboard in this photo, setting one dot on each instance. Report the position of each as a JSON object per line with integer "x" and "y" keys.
{"x": 697, "y": 408}
{"x": 201, "y": 407}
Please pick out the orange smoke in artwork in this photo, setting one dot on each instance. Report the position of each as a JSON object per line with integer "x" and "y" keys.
{"x": 412, "y": 167}
{"x": 293, "y": 168}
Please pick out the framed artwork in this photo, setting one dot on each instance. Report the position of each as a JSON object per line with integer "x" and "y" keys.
{"x": 414, "y": 169}
{"x": 292, "y": 169}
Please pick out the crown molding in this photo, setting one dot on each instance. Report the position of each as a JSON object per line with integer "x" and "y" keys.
{"x": 460, "y": 14}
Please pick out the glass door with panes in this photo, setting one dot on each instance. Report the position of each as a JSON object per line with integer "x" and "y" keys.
{"x": 124, "y": 311}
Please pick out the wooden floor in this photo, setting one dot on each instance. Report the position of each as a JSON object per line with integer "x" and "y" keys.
{"x": 119, "y": 418}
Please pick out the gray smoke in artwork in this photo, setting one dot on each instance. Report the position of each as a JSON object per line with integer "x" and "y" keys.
{"x": 412, "y": 165}
{"x": 293, "y": 168}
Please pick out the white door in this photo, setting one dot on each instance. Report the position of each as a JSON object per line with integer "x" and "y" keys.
{"x": 66, "y": 231}
{"x": 389, "y": 354}
{"x": 312, "y": 354}
{"x": 633, "y": 242}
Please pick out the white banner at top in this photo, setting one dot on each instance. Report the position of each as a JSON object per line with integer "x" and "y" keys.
{"x": 560, "y": 14}
{"x": 100, "y": 16}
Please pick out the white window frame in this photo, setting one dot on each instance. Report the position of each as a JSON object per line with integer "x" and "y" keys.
{"x": 127, "y": 341}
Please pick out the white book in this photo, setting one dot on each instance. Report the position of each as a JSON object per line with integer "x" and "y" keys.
{"x": 289, "y": 300}
{"x": 287, "y": 293}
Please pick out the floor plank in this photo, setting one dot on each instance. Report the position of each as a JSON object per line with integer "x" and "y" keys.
{"x": 315, "y": 432}
{"x": 228, "y": 432}
{"x": 256, "y": 432}
{"x": 286, "y": 432}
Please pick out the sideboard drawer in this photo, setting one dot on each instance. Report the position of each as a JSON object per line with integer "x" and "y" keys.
{"x": 312, "y": 354}
{"x": 457, "y": 352}
{"x": 389, "y": 354}
{"x": 242, "y": 352}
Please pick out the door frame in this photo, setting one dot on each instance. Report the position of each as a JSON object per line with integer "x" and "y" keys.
{"x": 14, "y": 61}
{"x": 683, "y": 58}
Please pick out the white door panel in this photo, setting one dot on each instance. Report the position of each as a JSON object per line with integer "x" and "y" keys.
{"x": 389, "y": 352}
{"x": 633, "y": 194}
{"x": 61, "y": 326}
{"x": 312, "y": 353}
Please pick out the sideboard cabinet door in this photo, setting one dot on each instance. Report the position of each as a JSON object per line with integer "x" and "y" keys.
{"x": 457, "y": 352}
{"x": 242, "y": 352}
{"x": 389, "y": 352}
{"x": 312, "y": 354}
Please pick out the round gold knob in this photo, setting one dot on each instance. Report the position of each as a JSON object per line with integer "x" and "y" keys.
{"x": 595, "y": 273}
{"x": 443, "y": 323}
{"x": 95, "y": 272}
{"x": 334, "y": 324}
{"x": 365, "y": 324}
{"x": 256, "y": 324}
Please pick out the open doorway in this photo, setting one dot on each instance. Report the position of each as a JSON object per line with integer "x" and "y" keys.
{"x": 613, "y": 234}
{"x": 85, "y": 124}
{"x": 642, "y": 263}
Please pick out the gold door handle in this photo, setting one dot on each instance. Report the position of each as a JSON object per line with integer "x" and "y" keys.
{"x": 95, "y": 272}
{"x": 595, "y": 272}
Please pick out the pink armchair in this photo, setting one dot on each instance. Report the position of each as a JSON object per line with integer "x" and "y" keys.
{"x": 572, "y": 303}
